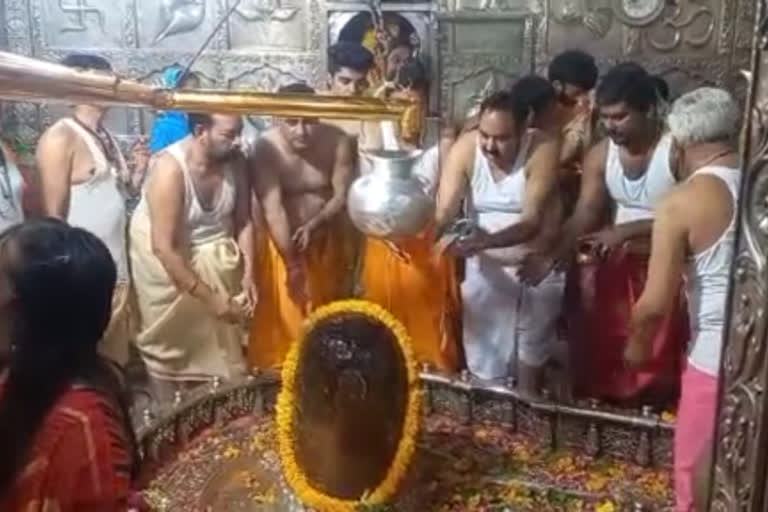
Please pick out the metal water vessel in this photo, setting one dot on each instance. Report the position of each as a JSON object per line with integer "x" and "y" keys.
{"x": 389, "y": 200}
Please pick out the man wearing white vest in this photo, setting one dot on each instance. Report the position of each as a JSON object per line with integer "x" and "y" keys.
{"x": 693, "y": 233}
{"x": 85, "y": 180}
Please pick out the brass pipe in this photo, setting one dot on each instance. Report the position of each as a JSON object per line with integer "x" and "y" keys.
{"x": 28, "y": 79}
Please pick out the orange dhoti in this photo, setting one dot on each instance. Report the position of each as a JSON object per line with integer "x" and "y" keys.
{"x": 277, "y": 320}
{"x": 420, "y": 291}
{"x": 600, "y": 297}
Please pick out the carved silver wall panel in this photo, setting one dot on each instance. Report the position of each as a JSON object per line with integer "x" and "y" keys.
{"x": 472, "y": 45}
{"x": 741, "y": 471}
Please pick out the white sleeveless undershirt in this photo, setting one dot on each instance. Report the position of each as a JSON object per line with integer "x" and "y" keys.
{"x": 494, "y": 205}
{"x": 201, "y": 225}
{"x": 97, "y": 205}
{"x": 11, "y": 192}
{"x": 707, "y": 280}
{"x": 636, "y": 198}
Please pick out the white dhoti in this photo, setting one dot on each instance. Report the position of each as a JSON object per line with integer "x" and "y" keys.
{"x": 502, "y": 315}
{"x": 115, "y": 345}
{"x": 180, "y": 339}
{"x": 504, "y": 320}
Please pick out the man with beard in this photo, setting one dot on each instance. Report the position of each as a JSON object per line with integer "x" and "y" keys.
{"x": 191, "y": 255}
{"x": 85, "y": 181}
{"x": 631, "y": 170}
{"x": 508, "y": 175}
{"x": 694, "y": 233}
{"x": 301, "y": 170}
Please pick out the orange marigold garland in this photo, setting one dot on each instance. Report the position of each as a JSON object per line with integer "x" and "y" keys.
{"x": 292, "y": 471}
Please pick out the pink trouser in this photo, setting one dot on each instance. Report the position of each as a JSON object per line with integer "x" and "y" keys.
{"x": 694, "y": 430}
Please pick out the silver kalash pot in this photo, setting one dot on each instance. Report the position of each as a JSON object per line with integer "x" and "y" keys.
{"x": 388, "y": 200}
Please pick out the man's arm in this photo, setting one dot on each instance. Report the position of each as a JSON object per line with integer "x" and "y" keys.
{"x": 165, "y": 201}
{"x": 540, "y": 185}
{"x": 343, "y": 167}
{"x": 593, "y": 197}
{"x": 267, "y": 185}
{"x": 668, "y": 252}
{"x": 452, "y": 187}
{"x": 54, "y": 161}
{"x": 244, "y": 229}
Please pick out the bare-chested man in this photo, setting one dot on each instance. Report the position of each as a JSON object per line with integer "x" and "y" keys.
{"x": 84, "y": 180}
{"x": 301, "y": 169}
{"x": 694, "y": 233}
{"x": 508, "y": 175}
{"x": 191, "y": 250}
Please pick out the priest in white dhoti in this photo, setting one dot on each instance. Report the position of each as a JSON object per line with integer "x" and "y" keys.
{"x": 508, "y": 176}
{"x": 191, "y": 254}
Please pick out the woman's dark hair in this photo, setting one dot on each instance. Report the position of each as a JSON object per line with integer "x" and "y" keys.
{"x": 413, "y": 74}
{"x": 532, "y": 93}
{"x": 61, "y": 279}
{"x": 349, "y": 55}
{"x": 574, "y": 67}
{"x": 86, "y": 61}
{"x": 629, "y": 83}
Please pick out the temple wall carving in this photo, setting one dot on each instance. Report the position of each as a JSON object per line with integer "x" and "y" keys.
{"x": 472, "y": 45}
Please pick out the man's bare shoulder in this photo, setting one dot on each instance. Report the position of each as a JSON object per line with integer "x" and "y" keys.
{"x": 544, "y": 141}
{"x": 595, "y": 157}
{"x": 333, "y": 134}
{"x": 59, "y": 134}
{"x": 166, "y": 171}
{"x": 465, "y": 145}
{"x": 266, "y": 147}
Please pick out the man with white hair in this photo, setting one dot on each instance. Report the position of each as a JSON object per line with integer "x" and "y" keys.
{"x": 694, "y": 231}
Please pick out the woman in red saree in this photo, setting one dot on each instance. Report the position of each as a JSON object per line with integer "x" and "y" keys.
{"x": 65, "y": 439}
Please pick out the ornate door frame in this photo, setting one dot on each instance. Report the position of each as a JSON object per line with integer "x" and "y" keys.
{"x": 740, "y": 454}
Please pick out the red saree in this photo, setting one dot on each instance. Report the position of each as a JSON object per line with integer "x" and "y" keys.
{"x": 599, "y": 300}
{"x": 79, "y": 460}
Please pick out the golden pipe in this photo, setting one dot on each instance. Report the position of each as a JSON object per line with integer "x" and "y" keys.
{"x": 27, "y": 79}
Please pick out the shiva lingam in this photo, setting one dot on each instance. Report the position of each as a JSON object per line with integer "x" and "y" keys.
{"x": 353, "y": 424}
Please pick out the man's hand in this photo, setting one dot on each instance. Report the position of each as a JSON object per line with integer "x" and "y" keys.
{"x": 251, "y": 292}
{"x": 296, "y": 282}
{"x": 604, "y": 241}
{"x": 225, "y": 309}
{"x": 302, "y": 236}
{"x": 637, "y": 353}
{"x": 534, "y": 268}
{"x": 478, "y": 241}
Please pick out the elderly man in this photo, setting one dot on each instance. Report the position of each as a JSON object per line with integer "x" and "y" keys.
{"x": 631, "y": 171}
{"x": 693, "y": 233}
{"x": 508, "y": 174}
{"x": 301, "y": 170}
{"x": 191, "y": 251}
{"x": 84, "y": 180}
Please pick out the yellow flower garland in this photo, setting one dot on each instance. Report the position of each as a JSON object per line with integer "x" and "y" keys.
{"x": 293, "y": 473}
